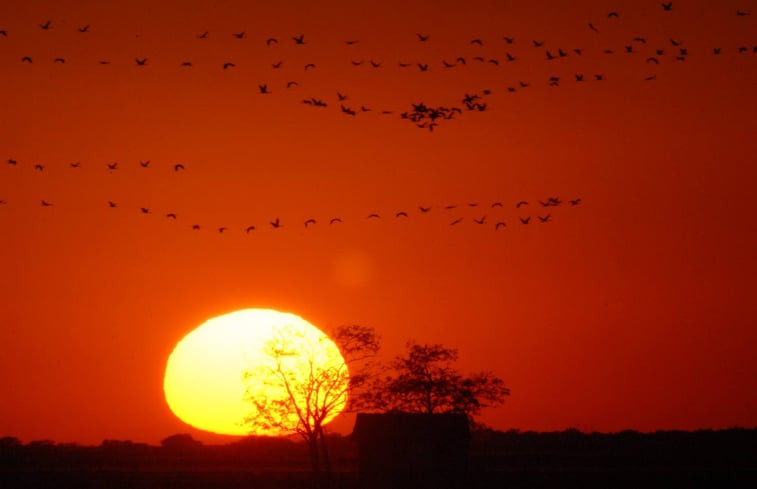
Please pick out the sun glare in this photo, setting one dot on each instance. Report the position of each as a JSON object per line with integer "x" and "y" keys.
{"x": 217, "y": 372}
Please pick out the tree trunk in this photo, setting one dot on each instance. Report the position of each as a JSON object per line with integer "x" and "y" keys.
{"x": 324, "y": 451}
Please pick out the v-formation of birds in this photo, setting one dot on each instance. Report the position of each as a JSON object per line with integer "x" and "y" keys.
{"x": 671, "y": 48}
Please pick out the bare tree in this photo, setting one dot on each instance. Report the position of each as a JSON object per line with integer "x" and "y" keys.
{"x": 305, "y": 384}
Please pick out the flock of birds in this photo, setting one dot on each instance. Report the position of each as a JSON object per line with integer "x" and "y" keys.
{"x": 277, "y": 223}
{"x": 423, "y": 115}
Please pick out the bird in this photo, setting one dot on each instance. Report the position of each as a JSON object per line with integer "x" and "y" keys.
{"x": 449, "y": 207}
{"x": 509, "y": 40}
{"x": 83, "y": 29}
{"x": 375, "y": 64}
{"x": 537, "y": 44}
{"x": 456, "y": 221}
{"x": 263, "y": 88}
{"x": 666, "y": 6}
{"x": 334, "y": 220}
{"x": 424, "y": 209}
{"x": 171, "y": 215}
{"x": 520, "y": 204}
{"x": 228, "y": 65}
{"x": 144, "y": 210}
{"x": 525, "y": 220}
{"x": 195, "y": 227}
{"x": 404, "y": 65}
{"x": 579, "y": 77}
{"x": 112, "y": 204}
{"x": 178, "y": 167}
{"x": 591, "y": 26}
{"x": 309, "y": 222}
{"x": 59, "y": 60}
{"x": 423, "y": 67}
{"x": 347, "y": 110}
{"x": 204, "y": 35}
{"x": 575, "y": 201}
{"x": 715, "y": 50}
{"x": 599, "y": 77}
{"x": 613, "y": 14}
{"x": 496, "y": 204}
{"x": 351, "y": 42}
{"x": 276, "y": 223}
{"x": 550, "y": 56}
{"x": 239, "y": 35}
{"x": 3, "y": 33}
{"x": 401, "y": 214}
{"x": 299, "y": 39}
{"x": 674, "y": 42}
{"x": 373, "y": 216}
{"x": 292, "y": 84}
{"x": 39, "y": 167}
{"x": 545, "y": 218}
{"x": 271, "y": 40}
{"x": 422, "y": 37}
{"x": 46, "y": 203}
{"x": 500, "y": 224}
{"x": 640, "y": 39}
{"x": 144, "y": 164}
{"x": 46, "y": 25}
{"x": 650, "y": 78}
{"x": 113, "y": 166}
{"x": 186, "y": 63}
{"x": 141, "y": 61}
{"x": 12, "y": 162}
{"x": 309, "y": 66}
{"x": 277, "y": 65}
{"x": 26, "y": 59}
{"x": 654, "y": 60}
{"x": 74, "y": 164}
{"x": 510, "y": 57}
{"x": 222, "y": 229}
{"x": 341, "y": 96}
{"x": 249, "y": 228}
{"x": 477, "y": 41}
{"x": 480, "y": 221}
{"x": 741, "y": 13}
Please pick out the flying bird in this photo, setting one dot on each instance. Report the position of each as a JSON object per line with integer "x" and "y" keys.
{"x": 178, "y": 167}
{"x": 401, "y": 214}
{"x": 204, "y": 35}
{"x": 666, "y": 6}
{"x": 496, "y": 204}
{"x": 334, "y": 220}
{"x": 84, "y": 29}
{"x": 480, "y": 221}
{"x": 59, "y": 60}
{"x": 424, "y": 209}
{"x": 277, "y": 65}
{"x": 373, "y": 216}
{"x": 456, "y": 221}
{"x": 613, "y": 14}
{"x": 575, "y": 201}
{"x": 309, "y": 222}
{"x": 422, "y": 37}
{"x": 222, "y": 229}
{"x": 477, "y": 41}
{"x": 186, "y": 63}
{"x": 74, "y": 164}
{"x": 525, "y": 220}
{"x": 239, "y": 35}
{"x": 141, "y": 61}
{"x": 741, "y": 13}
{"x": 263, "y": 89}
{"x": 171, "y": 215}
{"x": 299, "y": 39}
{"x": 545, "y": 218}
{"x": 46, "y": 203}
{"x": 249, "y": 228}
{"x": 228, "y": 65}
{"x": 144, "y": 164}
{"x": 113, "y": 166}
{"x": 537, "y": 44}
{"x": 12, "y": 162}
{"x": 292, "y": 84}
{"x": 271, "y": 40}
{"x": 423, "y": 67}
{"x": 144, "y": 210}
{"x": 195, "y": 227}
{"x": 309, "y": 66}
{"x": 112, "y": 204}
{"x": 591, "y": 26}
{"x": 276, "y": 223}
{"x": 46, "y": 25}
{"x": 509, "y": 40}
{"x": 520, "y": 204}
{"x": 26, "y": 59}
{"x": 39, "y": 167}
{"x": 352, "y": 42}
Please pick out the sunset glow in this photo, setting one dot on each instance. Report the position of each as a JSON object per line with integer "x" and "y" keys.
{"x": 204, "y": 382}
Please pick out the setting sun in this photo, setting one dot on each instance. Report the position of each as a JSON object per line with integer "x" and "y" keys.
{"x": 220, "y": 374}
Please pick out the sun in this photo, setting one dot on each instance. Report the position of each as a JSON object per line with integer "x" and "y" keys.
{"x": 220, "y": 375}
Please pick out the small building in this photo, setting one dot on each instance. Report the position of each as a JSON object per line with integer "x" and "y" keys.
{"x": 404, "y": 450}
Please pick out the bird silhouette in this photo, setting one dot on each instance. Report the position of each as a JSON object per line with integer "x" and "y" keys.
{"x": 309, "y": 222}
{"x": 537, "y": 44}
{"x": 277, "y": 65}
{"x": 666, "y": 6}
{"x": 480, "y": 221}
{"x": 113, "y": 166}
{"x": 496, "y": 204}
{"x": 715, "y": 50}
{"x": 292, "y": 84}
{"x": 2, "y": 202}
{"x": 375, "y": 64}
{"x": 591, "y": 26}
{"x": 204, "y": 35}
{"x": 144, "y": 164}
{"x": 654, "y": 60}
{"x": 674, "y": 42}
{"x": 46, "y": 203}
{"x": 575, "y": 201}
{"x": 26, "y": 59}
{"x": 423, "y": 67}
{"x": 309, "y": 66}
{"x": 613, "y": 14}
{"x": 195, "y": 227}
{"x": 520, "y": 204}
{"x": 334, "y": 220}
{"x": 171, "y": 215}
{"x": 422, "y": 37}
{"x": 186, "y": 63}
{"x": 39, "y": 167}
{"x": 525, "y": 220}
{"x": 500, "y": 224}
{"x": 271, "y": 40}
{"x": 299, "y": 39}
{"x": 12, "y": 162}
{"x": 351, "y": 42}
{"x": 144, "y": 210}
{"x": 178, "y": 167}
{"x": 263, "y": 88}
{"x": 599, "y": 77}
{"x": 59, "y": 60}
{"x": 276, "y": 223}
{"x": 46, "y": 25}
{"x": 403, "y": 65}
{"x": 477, "y": 41}
{"x": 83, "y": 29}
{"x": 3, "y": 33}
{"x": 401, "y": 214}
{"x": 424, "y": 209}
{"x": 509, "y": 40}
{"x": 650, "y": 78}
{"x": 74, "y": 164}
{"x": 239, "y": 35}
{"x": 249, "y": 229}
{"x": 456, "y": 221}
{"x": 222, "y": 229}
{"x": 228, "y": 65}
{"x": 141, "y": 61}
{"x": 373, "y": 216}
{"x": 741, "y": 13}
{"x": 545, "y": 218}
{"x": 112, "y": 204}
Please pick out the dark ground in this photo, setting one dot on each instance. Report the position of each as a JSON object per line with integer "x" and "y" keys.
{"x": 568, "y": 459}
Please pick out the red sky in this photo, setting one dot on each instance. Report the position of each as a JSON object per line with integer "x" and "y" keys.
{"x": 632, "y": 310}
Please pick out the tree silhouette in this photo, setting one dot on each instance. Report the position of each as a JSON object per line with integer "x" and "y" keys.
{"x": 298, "y": 404}
{"x": 425, "y": 380}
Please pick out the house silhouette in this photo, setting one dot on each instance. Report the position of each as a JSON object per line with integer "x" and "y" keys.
{"x": 412, "y": 450}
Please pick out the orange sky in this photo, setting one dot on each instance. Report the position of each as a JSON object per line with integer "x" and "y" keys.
{"x": 633, "y": 309}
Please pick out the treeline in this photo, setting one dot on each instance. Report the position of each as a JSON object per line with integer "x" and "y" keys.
{"x": 490, "y": 450}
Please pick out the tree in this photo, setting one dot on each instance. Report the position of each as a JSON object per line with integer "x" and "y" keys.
{"x": 425, "y": 380}
{"x": 302, "y": 404}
